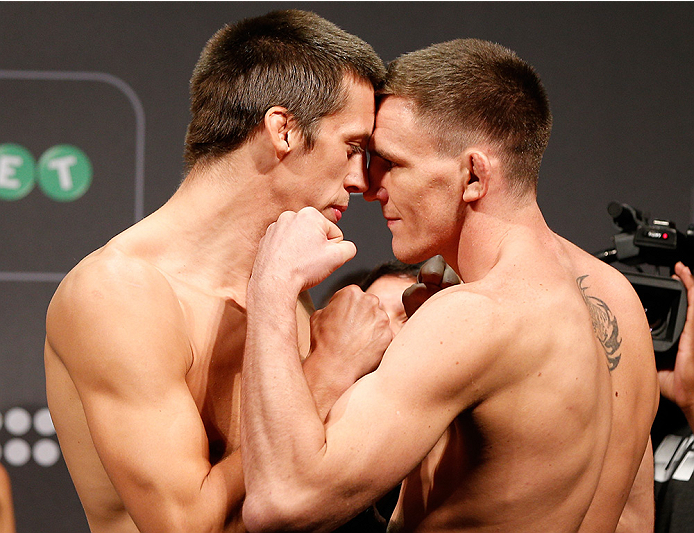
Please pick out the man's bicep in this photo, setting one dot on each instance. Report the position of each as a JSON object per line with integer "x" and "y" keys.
{"x": 388, "y": 421}
{"x": 127, "y": 358}
{"x": 155, "y": 453}
{"x": 380, "y": 433}
{"x": 148, "y": 446}
{"x": 445, "y": 357}
{"x": 437, "y": 366}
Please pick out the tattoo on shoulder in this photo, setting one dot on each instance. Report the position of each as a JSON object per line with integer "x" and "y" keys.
{"x": 604, "y": 325}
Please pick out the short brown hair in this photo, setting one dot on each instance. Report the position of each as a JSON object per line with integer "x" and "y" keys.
{"x": 291, "y": 58}
{"x": 393, "y": 268}
{"x": 468, "y": 90}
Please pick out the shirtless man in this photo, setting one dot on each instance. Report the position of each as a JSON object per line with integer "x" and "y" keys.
{"x": 520, "y": 400}
{"x": 145, "y": 336}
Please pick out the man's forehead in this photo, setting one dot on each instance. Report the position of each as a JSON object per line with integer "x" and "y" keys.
{"x": 395, "y": 107}
{"x": 398, "y": 131}
{"x": 360, "y": 94}
{"x": 394, "y": 119}
{"x": 357, "y": 117}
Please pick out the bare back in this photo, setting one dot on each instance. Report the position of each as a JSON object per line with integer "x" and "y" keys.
{"x": 559, "y": 412}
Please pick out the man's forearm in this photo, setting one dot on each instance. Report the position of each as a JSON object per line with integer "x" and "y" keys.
{"x": 282, "y": 433}
{"x": 275, "y": 395}
{"x": 325, "y": 390}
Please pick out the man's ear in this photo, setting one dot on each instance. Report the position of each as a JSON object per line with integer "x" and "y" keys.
{"x": 477, "y": 172}
{"x": 281, "y": 130}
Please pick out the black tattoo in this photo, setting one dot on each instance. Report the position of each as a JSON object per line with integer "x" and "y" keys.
{"x": 604, "y": 325}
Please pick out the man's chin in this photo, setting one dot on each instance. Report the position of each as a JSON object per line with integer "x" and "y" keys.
{"x": 409, "y": 254}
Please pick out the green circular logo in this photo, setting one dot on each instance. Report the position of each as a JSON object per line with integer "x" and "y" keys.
{"x": 65, "y": 173}
{"x": 16, "y": 172}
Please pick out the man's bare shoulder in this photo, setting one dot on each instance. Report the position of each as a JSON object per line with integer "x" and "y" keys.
{"x": 470, "y": 310}
{"x": 109, "y": 301}
{"x": 466, "y": 305}
{"x": 458, "y": 335}
{"x": 484, "y": 305}
{"x": 601, "y": 283}
{"x": 110, "y": 276}
{"x": 600, "y": 272}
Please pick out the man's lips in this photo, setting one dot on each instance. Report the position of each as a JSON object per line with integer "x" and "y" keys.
{"x": 390, "y": 221}
{"x": 338, "y": 210}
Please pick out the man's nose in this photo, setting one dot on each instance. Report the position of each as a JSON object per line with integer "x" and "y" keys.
{"x": 358, "y": 178}
{"x": 375, "y": 190}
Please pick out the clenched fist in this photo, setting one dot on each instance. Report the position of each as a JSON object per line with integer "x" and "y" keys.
{"x": 348, "y": 339}
{"x": 300, "y": 250}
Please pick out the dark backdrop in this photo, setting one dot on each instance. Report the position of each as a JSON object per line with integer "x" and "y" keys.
{"x": 111, "y": 79}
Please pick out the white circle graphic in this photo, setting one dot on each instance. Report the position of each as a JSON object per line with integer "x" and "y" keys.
{"x": 46, "y": 452}
{"x": 17, "y": 452}
{"x": 43, "y": 424}
{"x": 17, "y": 421}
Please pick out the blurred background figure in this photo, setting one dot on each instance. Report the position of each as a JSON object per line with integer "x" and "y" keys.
{"x": 674, "y": 456}
{"x": 389, "y": 281}
{"x": 6, "y": 506}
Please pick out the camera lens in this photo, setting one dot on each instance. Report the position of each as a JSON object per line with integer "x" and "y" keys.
{"x": 658, "y": 306}
{"x": 657, "y": 321}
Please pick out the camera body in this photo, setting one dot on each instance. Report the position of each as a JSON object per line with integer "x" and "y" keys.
{"x": 657, "y": 243}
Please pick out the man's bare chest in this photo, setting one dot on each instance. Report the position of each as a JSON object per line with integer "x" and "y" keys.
{"x": 217, "y": 335}
{"x": 215, "y": 384}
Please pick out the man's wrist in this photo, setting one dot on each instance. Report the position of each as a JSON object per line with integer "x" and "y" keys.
{"x": 279, "y": 290}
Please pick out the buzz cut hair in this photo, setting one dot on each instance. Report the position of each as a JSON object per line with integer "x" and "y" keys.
{"x": 292, "y": 58}
{"x": 468, "y": 91}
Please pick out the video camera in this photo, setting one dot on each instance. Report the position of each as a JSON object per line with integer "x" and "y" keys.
{"x": 658, "y": 243}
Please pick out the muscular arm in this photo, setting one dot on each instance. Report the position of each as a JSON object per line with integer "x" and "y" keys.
{"x": 639, "y": 512}
{"x": 301, "y": 475}
{"x": 120, "y": 333}
{"x": 122, "y": 338}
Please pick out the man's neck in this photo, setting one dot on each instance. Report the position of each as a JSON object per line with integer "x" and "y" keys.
{"x": 213, "y": 230}
{"x": 488, "y": 233}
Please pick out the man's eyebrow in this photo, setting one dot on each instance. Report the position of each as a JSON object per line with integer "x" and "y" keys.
{"x": 383, "y": 154}
{"x": 360, "y": 137}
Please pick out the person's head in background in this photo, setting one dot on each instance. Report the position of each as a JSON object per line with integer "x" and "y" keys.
{"x": 388, "y": 281}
